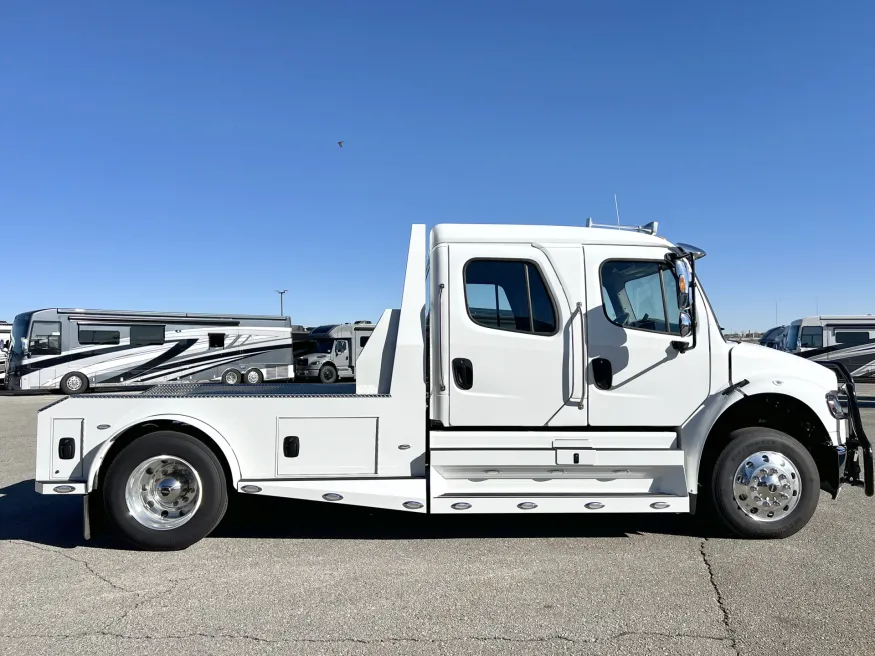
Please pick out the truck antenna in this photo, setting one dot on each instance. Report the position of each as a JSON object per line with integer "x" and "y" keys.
{"x": 617, "y": 208}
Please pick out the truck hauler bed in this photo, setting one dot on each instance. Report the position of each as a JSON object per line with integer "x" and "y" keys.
{"x": 549, "y": 369}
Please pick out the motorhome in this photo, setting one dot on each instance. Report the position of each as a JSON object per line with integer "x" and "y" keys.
{"x": 77, "y": 350}
{"x": 774, "y": 337}
{"x": 335, "y": 351}
{"x": 849, "y": 339}
{"x": 5, "y": 335}
{"x": 528, "y": 370}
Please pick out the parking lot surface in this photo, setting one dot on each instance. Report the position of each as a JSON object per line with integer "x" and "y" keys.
{"x": 283, "y": 577}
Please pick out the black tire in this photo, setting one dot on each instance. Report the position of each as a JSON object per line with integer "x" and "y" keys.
{"x": 232, "y": 377}
{"x": 328, "y": 374}
{"x": 69, "y": 383}
{"x": 213, "y": 499}
{"x": 742, "y": 444}
{"x": 256, "y": 374}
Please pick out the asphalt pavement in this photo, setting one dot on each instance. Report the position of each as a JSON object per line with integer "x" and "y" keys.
{"x": 282, "y": 577}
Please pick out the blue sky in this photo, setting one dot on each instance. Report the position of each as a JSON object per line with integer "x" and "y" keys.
{"x": 183, "y": 156}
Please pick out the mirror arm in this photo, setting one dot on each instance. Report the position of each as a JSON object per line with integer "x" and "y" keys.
{"x": 693, "y": 286}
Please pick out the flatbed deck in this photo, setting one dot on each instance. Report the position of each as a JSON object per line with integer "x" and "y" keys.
{"x": 272, "y": 390}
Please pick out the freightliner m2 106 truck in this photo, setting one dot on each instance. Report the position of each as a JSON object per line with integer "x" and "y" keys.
{"x": 530, "y": 369}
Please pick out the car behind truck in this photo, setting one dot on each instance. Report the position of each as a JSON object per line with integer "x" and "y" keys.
{"x": 529, "y": 369}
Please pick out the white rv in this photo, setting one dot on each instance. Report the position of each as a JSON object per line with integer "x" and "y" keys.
{"x": 849, "y": 339}
{"x": 532, "y": 369}
{"x": 334, "y": 352}
{"x": 78, "y": 350}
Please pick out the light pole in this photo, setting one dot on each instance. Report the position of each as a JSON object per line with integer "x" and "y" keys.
{"x": 281, "y": 292}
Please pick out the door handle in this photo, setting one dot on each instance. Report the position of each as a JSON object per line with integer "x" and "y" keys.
{"x": 291, "y": 446}
{"x": 602, "y": 373}
{"x": 66, "y": 448}
{"x": 463, "y": 373}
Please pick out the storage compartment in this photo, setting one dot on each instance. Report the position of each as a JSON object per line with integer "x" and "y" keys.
{"x": 66, "y": 449}
{"x": 318, "y": 446}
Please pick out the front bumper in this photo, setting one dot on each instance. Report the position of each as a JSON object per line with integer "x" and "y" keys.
{"x": 858, "y": 447}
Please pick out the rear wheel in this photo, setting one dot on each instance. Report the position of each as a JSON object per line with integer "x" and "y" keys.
{"x": 232, "y": 377}
{"x": 765, "y": 484}
{"x": 74, "y": 383}
{"x": 165, "y": 491}
{"x": 328, "y": 374}
{"x": 254, "y": 376}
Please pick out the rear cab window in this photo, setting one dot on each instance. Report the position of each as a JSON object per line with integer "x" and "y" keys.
{"x": 509, "y": 295}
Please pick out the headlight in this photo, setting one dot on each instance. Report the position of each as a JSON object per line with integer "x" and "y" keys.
{"x": 835, "y": 407}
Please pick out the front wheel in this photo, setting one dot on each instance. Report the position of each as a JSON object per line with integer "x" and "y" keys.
{"x": 165, "y": 491}
{"x": 765, "y": 484}
{"x": 328, "y": 374}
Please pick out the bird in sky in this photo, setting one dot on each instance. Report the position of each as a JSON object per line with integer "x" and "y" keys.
{"x": 340, "y": 143}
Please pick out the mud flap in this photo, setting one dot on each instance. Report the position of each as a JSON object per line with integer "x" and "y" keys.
{"x": 831, "y": 461}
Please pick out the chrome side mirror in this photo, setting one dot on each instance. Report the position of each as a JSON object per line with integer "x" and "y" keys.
{"x": 686, "y": 323}
{"x": 685, "y": 278}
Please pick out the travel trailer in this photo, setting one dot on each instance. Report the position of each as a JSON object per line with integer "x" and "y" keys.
{"x": 334, "y": 352}
{"x": 529, "y": 369}
{"x": 77, "y": 350}
{"x": 849, "y": 339}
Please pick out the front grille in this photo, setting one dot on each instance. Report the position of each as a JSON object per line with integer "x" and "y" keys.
{"x": 301, "y": 362}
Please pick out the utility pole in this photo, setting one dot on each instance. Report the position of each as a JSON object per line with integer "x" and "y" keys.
{"x": 281, "y": 299}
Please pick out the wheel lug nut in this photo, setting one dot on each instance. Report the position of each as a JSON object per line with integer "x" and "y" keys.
{"x": 773, "y": 471}
{"x": 753, "y": 488}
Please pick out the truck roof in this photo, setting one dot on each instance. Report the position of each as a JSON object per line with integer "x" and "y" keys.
{"x": 511, "y": 233}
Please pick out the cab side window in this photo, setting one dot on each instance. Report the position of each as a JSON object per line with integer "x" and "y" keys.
{"x": 509, "y": 295}
{"x": 641, "y": 295}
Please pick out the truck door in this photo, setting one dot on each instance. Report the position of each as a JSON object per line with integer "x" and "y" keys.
{"x": 341, "y": 356}
{"x": 636, "y": 376}
{"x": 511, "y": 358}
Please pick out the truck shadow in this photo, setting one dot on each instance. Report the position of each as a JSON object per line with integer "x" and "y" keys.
{"x": 57, "y": 521}
{"x": 251, "y": 517}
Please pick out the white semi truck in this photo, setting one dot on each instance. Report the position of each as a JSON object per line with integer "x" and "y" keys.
{"x": 530, "y": 369}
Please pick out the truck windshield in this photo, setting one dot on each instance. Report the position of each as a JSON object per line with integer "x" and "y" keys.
{"x": 324, "y": 345}
{"x": 18, "y": 339}
{"x": 792, "y": 337}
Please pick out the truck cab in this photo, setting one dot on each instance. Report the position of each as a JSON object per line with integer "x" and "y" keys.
{"x": 529, "y": 369}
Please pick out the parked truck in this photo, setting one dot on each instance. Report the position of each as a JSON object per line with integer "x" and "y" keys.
{"x": 529, "y": 369}
{"x": 334, "y": 352}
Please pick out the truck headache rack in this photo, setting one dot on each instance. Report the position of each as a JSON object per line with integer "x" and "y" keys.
{"x": 857, "y": 438}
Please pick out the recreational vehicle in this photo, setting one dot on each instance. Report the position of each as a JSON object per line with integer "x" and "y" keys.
{"x": 849, "y": 339}
{"x": 77, "y": 350}
{"x": 334, "y": 353}
{"x": 608, "y": 389}
{"x": 5, "y": 334}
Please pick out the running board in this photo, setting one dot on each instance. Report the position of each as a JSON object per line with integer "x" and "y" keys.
{"x": 389, "y": 493}
{"x": 560, "y": 503}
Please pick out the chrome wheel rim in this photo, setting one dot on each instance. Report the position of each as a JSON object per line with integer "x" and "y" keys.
{"x": 767, "y": 486}
{"x": 252, "y": 377}
{"x": 74, "y": 383}
{"x": 163, "y": 493}
{"x": 231, "y": 378}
